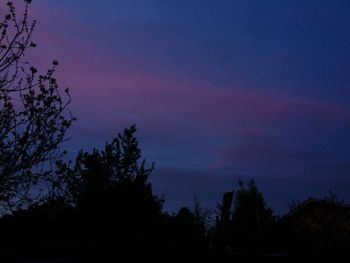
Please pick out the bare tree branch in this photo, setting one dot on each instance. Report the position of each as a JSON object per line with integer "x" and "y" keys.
{"x": 34, "y": 116}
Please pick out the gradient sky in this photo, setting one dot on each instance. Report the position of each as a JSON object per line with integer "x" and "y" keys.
{"x": 219, "y": 90}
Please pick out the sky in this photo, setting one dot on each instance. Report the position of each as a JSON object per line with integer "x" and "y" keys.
{"x": 219, "y": 90}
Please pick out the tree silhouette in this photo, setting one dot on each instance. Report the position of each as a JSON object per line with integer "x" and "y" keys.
{"x": 187, "y": 232}
{"x": 111, "y": 194}
{"x": 33, "y": 115}
{"x": 100, "y": 171}
{"x": 250, "y": 215}
{"x": 239, "y": 227}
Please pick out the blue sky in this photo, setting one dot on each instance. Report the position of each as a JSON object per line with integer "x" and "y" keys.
{"x": 219, "y": 90}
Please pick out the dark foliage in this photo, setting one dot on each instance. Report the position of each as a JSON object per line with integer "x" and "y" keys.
{"x": 187, "y": 233}
{"x": 101, "y": 207}
{"x": 250, "y": 216}
{"x": 111, "y": 195}
{"x": 240, "y": 228}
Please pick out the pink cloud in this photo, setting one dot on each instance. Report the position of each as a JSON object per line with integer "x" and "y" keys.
{"x": 105, "y": 86}
{"x": 110, "y": 87}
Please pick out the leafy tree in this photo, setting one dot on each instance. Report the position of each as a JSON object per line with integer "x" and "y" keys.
{"x": 241, "y": 227}
{"x": 33, "y": 115}
{"x": 111, "y": 193}
{"x": 250, "y": 214}
{"x": 185, "y": 226}
{"x": 105, "y": 170}
{"x": 189, "y": 229}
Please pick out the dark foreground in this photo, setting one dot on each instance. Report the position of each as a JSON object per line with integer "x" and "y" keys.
{"x": 77, "y": 253}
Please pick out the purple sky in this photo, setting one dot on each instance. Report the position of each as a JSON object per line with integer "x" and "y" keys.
{"x": 219, "y": 90}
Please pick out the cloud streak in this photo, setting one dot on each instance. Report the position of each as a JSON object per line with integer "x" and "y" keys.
{"x": 248, "y": 94}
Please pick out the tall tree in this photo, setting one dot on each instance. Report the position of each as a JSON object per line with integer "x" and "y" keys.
{"x": 112, "y": 196}
{"x": 242, "y": 226}
{"x": 250, "y": 213}
{"x": 34, "y": 116}
{"x": 100, "y": 171}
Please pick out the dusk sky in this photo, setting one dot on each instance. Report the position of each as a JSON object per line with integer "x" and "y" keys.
{"x": 219, "y": 90}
